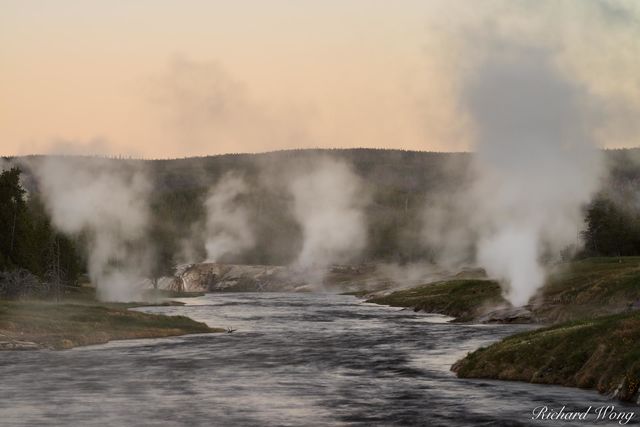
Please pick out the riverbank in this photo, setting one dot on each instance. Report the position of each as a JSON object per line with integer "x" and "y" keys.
{"x": 80, "y": 320}
{"x": 592, "y": 305}
{"x": 576, "y": 290}
{"x": 464, "y": 300}
{"x": 599, "y": 353}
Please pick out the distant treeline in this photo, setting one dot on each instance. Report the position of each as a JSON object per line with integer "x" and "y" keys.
{"x": 401, "y": 182}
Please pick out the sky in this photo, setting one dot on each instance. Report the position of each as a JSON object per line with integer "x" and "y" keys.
{"x": 170, "y": 78}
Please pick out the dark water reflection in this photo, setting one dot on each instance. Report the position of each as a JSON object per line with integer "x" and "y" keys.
{"x": 296, "y": 359}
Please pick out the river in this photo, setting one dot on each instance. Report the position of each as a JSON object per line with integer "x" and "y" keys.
{"x": 294, "y": 360}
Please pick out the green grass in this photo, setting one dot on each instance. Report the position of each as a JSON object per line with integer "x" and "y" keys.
{"x": 68, "y": 324}
{"x": 586, "y": 288}
{"x": 87, "y": 295}
{"x": 599, "y": 353}
{"x": 594, "y": 286}
{"x": 463, "y": 299}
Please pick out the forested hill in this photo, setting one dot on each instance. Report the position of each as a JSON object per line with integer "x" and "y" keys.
{"x": 401, "y": 183}
{"x": 394, "y": 170}
{"x": 398, "y": 180}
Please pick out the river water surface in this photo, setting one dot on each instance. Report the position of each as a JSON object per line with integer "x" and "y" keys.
{"x": 295, "y": 359}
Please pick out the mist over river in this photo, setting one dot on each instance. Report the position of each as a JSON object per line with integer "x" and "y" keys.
{"x": 295, "y": 359}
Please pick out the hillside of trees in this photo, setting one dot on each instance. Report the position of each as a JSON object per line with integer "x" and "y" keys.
{"x": 402, "y": 183}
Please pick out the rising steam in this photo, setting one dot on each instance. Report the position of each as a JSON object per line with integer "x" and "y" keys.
{"x": 228, "y": 230}
{"x": 328, "y": 204}
{"x": 106, "y": 202}
{"x": 536, "y": 165}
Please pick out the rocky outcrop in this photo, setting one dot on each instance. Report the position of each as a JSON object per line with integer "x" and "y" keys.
{"x": 507, "y": 315}
{"x": 214, "y": 277}
{"x": 18, "y": 345}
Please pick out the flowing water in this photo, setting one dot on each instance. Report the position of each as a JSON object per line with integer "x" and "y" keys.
{"x": 295, "y": 359}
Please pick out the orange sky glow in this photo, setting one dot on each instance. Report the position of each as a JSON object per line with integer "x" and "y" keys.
{"x": 169, "y": 78}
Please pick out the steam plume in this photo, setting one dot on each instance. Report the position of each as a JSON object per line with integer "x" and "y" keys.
{"x": 107, "y": 203}
{"x": 328, "y": 203}
{"x": 228, "y": 226}
{"x": 536, "y": 164}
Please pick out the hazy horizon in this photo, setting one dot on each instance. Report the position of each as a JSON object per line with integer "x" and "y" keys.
{"x": 168, "y": 79}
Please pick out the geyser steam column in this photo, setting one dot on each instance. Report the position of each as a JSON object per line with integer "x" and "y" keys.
{"x": 228, "y": 228}
{"x": 329, "y": 199}
{"x": 536, "y": 163}
{"x": 106, "y": 202}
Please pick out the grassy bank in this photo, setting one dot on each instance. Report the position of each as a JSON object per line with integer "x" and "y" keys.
{"x": 462, "y": 299}
{"x": 586, "y": 288}
{"x": 593, "y": 305}
{"x": 599, "y": 353}
{"x": 88, "y": 295}
{"x": 80, "y": 320}
{"x": 590, "y": 287}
